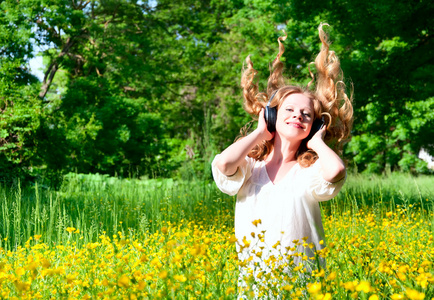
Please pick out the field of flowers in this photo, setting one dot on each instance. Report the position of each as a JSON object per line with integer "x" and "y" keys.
{"x": 104, "y": 238}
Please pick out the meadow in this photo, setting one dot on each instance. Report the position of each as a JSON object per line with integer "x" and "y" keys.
{"x": 105, "y": 238}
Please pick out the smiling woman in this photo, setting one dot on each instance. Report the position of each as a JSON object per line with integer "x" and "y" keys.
{"x": 283, "y": 169}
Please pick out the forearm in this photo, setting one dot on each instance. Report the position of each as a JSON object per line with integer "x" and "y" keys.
{"x": 231, "y": 158}
{"x": 333, "y": 168}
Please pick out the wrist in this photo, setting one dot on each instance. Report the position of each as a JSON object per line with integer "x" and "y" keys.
{"x": 316, "y": 145}
{"x": 259, "y": 135}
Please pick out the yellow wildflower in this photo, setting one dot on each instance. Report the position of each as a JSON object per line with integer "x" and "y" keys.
{"x": 70, "y": 229}
{"x": 314, "y": 288}
{"x": 256, "y": 222}
{"x": 180, "y": 278}
{"x": 363, "y": 286}
{"x": 230, "y": 291}
{"x": 19, "y": 271}
{"x": 414, "y": 295}
{"x": 124, "y": 281}
{"x": 163, "y": 274}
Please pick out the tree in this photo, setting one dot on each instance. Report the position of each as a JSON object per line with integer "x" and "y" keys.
{"x": 20, "y": 110}
{"x": 152, "y": 88}
{"x": 387, "y": 49}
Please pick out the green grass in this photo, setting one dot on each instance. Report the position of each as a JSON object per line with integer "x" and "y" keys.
{"x": 96, "y": 203}
{"x": 161, "y": 239}
{"x": 384, "y": 192}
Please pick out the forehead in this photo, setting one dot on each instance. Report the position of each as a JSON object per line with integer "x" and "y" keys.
{"x": 298, "y": 100}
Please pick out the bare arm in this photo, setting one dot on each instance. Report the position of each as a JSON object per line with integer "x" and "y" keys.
{"x": 331, "y": 164}
{"x": 231, "y": 158}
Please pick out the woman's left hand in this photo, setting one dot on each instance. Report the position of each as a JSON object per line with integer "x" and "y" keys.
{"x": 333, "y": 168}
{"x": 318, "y": 138}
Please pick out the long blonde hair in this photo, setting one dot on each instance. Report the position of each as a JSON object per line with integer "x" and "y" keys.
{"x": 328, "y": 97}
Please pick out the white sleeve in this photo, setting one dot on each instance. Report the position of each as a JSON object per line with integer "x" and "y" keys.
{"x": 231, "y": 184}
{"x": 318, "y": 187}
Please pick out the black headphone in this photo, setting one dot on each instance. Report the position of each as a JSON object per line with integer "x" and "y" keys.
{"x": 271, "y": 115}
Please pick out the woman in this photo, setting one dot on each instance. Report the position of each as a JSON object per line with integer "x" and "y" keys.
{"x": 281, "y": 171}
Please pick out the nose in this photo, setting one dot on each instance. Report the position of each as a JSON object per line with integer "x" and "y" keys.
{"x": 297, "y": 115}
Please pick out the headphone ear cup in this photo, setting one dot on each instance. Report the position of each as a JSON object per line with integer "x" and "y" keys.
{"x": 270, "y": 118}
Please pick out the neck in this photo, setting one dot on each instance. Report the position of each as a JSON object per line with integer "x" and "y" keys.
{"x": 284, "y": 151}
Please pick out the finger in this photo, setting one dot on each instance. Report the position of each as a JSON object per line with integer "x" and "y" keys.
{"x": 323, "y": 127}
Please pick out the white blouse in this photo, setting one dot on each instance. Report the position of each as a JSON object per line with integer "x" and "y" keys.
{"x": 288, "y": 210}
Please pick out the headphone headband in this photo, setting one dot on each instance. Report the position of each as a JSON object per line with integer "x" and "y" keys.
{"x": 271, "y": 98}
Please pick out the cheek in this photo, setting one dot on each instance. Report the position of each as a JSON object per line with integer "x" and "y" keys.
{"x": 281, "y": 115}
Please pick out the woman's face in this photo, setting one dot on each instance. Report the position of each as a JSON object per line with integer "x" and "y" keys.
{"x": 295, "y": 117}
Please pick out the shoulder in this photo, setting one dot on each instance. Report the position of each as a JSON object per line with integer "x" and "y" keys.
{"x": 316, "y": 186}
{"x": 232, "y": 184}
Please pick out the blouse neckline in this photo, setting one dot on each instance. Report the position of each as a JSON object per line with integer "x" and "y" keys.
{"x": 264, "y": 169}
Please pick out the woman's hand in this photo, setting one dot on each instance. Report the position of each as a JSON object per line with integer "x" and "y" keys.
{"x": 333, "y": 168}
{"x": 231, "y": 158}
{"x": 318, "y": 138}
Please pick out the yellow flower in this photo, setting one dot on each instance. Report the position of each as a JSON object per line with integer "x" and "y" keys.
{"x": 397, "y": 297}
{"x": 22, "y": 286}
{"x": 373, "y": 297}
{"x": 314, "y": 288}
{"x": 256, "y": 222}
{"x": 124, "y": 281}
{"x": 327, "y": 296}
{"x": 141, "y": 285}
{"x": 70, "y": 278}
{"x": 414, "y": 295}
{"x": 232, "y": 239}
{"x": 287, "y": 287}
{"x": 20, "y": 271}
{"x": 70, "y": 229}
{"x": 321, "y": 273}
{"x": 351, "y": 286}
{"x": 363, "y": 286}
{"x": 298, "y": 268}
{"x": 180, "y": 278}
{"x": 230, "y": 291}
{"x": 163, "y": 274}
{"x": 332, "y": 276}
{"x": 246, "y": 242}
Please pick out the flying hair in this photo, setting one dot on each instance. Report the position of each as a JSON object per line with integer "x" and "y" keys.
{"x": 327, "y": 91}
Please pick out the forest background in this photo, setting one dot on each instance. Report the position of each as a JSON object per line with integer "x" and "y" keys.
{"x": 152, "y": 89}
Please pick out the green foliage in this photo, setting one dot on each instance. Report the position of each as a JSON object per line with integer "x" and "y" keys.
{"x": 19, "y": 110}
{"x": 388, "y": 57}
{"x": 138, "y": 88}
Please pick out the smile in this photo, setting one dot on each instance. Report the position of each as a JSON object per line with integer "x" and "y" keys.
{"x": 296, "y": 125}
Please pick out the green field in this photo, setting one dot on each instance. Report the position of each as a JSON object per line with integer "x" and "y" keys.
{"x": 102, "y": 237}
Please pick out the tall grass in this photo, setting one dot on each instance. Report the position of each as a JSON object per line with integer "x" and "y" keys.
{"x": 95, "y": 203}
{"x": 383, "y": 193}
{"x": 101, "y": 237}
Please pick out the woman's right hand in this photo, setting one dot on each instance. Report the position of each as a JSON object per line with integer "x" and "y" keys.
{"x": 232, "y": 157}
{"x": 262, "y": 127}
